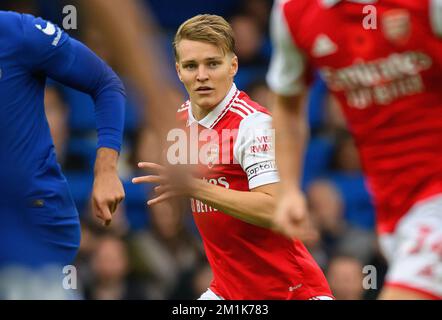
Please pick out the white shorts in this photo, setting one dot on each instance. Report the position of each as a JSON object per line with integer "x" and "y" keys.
{"x": 414, "y": 250}
{"x": 210, "y": 295}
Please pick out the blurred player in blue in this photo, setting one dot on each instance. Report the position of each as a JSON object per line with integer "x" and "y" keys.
{"x": 39, "y": 223}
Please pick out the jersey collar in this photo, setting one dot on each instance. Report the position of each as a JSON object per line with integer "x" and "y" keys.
{"x": 331, "y": 3}
{"x": 216, "y": 114}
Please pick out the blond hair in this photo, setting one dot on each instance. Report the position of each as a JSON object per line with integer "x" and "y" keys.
{"x": 208, "y": 28}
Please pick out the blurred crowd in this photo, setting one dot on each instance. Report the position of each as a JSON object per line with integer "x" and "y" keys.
{"x": 155, "y": 252}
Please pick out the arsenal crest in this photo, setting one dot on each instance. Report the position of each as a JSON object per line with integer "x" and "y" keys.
{"x": 396, "y": 26}
{"x": 212, "y": 155}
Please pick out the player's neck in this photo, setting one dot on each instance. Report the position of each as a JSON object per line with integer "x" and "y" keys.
{"x": 200, "y": 113}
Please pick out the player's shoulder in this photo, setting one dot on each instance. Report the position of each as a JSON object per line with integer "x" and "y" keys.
{"x": 185, "y": 106}
{"x": 298, "y": 4}
{"x": 32, "y": 22}
{"x": 183, "y": 111}
{"x": 244, "y": 99}
{"x": 9, "y": 18}
{"x": 249, "y": 113}
{"x": 11, "y": 25}
{"x": 296, "y": 8}
{"x": 11, "y": 21}
{"x": 44, "y": 32}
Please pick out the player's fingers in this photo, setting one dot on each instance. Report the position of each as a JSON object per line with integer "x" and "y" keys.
{"x": 113, "y": 206}
{"x": 148, "y": 179}
{"x": 282, "y": 216}
{"x": 106, "y": 215}
{"x": 294, "y": 218}
{"x": 96, "y": 211}
{"x": 162, "y": 189}
{"x": 162, "y": 197}
{"x": 294, "y": 213}
{"x": 289, "y": 226}
{"x": 120, "y": 195}
{"x": 290, "y": 230}
{"x": 295, "y": 223}
{"x": 152, "y": 166}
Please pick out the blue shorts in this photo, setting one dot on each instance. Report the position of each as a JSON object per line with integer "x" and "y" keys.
{"x": 35, "y": 237}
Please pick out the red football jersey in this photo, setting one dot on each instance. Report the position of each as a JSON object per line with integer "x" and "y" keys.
{"x": 386, "y": 71}
{"x": 248, "y": 262}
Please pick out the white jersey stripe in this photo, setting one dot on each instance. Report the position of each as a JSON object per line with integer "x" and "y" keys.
{"x": 241, "y": 108}
{"x": 246, "y": 105}
{"x": 183, "y": 109}
{"x": 225, "y": 110}
{"x": 184, "y": 106}
{"x": 245, "y": 114}
{"x": 237, "y": 112}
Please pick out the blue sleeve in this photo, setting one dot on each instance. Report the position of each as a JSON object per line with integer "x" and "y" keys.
{"x": 50, "y": 51}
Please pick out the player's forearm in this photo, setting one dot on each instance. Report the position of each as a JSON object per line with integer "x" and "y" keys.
{"x": 253, "y": 207}
{"x": 77, "y": 66}
{"x": 291, "y": 132}
{"x": 106, "y": 161}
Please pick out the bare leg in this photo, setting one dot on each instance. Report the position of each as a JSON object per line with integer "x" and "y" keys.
{"x": 394, "y": 293}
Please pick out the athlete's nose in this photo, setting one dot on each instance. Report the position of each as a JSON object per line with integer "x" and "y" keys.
{"x": 202, "y": 73}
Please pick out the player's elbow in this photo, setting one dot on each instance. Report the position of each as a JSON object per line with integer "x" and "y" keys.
{"x": 113, "y": 83}
{"x": 108, "y": 84}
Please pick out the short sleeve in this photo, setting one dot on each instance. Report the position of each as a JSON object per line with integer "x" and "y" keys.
{"x": 287, "y": 64}
{"x": 254, "y": 150}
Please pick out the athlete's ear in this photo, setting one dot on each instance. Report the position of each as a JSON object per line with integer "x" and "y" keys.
{"x": 234, "y": 66}
{"x": 178, "y": 71}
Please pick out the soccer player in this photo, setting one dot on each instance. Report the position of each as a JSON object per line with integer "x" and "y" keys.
{"x": 233, "y": 192}
{"x": 39, "y": 222}
{"x": 386, "y": 72}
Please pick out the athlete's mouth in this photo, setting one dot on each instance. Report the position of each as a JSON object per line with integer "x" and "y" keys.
{"x": 204, "y": 89}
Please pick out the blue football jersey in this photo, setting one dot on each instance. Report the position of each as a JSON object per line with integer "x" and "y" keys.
{"x": 34, "y": 194}
{"x": 29, "y": 172}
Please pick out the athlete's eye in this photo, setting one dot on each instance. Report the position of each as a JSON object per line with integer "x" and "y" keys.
{"x": 214, "y": 64}
{"x": 190, "y": 66}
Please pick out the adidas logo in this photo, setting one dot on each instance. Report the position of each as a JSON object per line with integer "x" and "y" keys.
{"x": 295, "y": 287}
{"x": 323, "y": 46}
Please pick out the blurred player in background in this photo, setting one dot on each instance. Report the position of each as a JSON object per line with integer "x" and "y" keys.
{"x": 233, "y": 197}
{"x": 138, "y": 45}
{"x": 388, "y": 80}
{"x": 40, "y": 224}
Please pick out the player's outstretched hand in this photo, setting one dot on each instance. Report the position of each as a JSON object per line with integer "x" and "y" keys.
{"x": 108, "y": 190}
{"x": 172, "y": 181}
{"x": 291, "y": 213}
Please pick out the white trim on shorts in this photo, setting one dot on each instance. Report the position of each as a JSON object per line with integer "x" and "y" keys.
{"x": 413, "y": 263}
{"x": 210, "y": 295}
{"x": 321, "y": 298}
